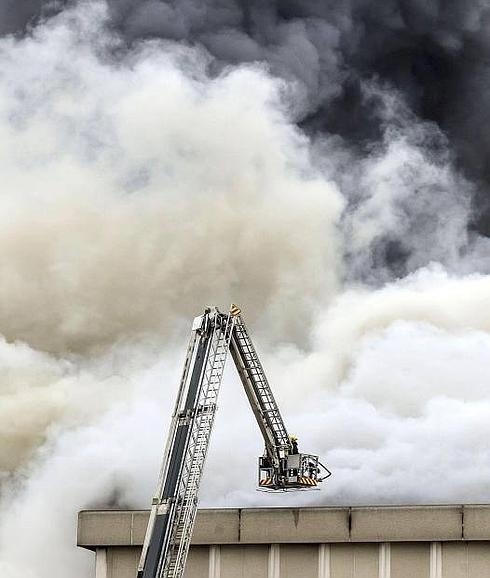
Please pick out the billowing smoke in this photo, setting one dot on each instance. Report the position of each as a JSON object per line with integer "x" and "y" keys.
{"x": 435, "y": 53}
{"x": 315, "y": 163}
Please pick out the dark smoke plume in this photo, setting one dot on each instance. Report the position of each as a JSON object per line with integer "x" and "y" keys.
{"x": 144, "y": 177}
{"x": 435, "y": 54}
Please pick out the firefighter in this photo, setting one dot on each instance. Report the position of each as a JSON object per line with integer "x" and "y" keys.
{"x": 294, "y": 444}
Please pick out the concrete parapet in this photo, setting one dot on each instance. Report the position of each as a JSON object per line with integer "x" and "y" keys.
{"x": 217, "y": 527}
{"x": 299, "y": 525}
{"x": 330, "y": 542}
{"x": 117, "y": 528}
{"x": 105, "y": 528}
{"x": 407, "y": 523}
{"x": 476, "y": 522}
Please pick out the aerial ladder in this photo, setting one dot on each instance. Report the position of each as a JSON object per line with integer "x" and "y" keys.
{"x": 281, "y": 467}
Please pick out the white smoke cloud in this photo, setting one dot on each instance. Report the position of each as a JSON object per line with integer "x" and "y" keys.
{"x": 408, "y": 205}
{"x": 131, "y": 186}
{"x": 38, "y": 391}
{"x": 110, "y": 461}
{"x": 138, "y": 188}
{"x": 397, "y": 406}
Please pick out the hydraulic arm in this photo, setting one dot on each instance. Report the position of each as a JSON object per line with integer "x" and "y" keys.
{"x": 281, "y": 467}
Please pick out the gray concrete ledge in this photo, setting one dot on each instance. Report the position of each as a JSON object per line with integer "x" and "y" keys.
{"x": 301, "y": 525}
{"x": 395, "y": 524}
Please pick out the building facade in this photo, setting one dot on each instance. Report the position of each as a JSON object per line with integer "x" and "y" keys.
{"x": 357, "y": 542}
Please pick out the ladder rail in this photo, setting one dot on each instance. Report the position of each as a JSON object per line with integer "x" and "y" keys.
{"x": 259, "y": 392}
{"x": 191, "y": 350}
{"x": 197, "y": 451}
{"x": 174, "y": 507}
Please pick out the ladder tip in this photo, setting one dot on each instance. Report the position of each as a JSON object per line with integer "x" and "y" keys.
{"x": 235, "y": 310}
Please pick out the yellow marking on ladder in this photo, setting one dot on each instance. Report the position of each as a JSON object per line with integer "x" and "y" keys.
{"x": 235, "y": 310}
{"x": 307, "y": 481}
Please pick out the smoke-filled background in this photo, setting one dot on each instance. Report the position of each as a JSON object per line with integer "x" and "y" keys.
{"x": 322, "y": 164}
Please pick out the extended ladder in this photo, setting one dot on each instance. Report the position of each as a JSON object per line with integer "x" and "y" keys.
{"x": 174, "y": 507}
{"x": 258, "y": 390}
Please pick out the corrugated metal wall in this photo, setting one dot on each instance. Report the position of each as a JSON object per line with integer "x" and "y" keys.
{"x": 385, "y": 560}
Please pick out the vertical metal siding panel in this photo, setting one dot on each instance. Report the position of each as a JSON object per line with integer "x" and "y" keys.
{"x": 342, "y": 562}
{"x": 101, "y": 563}
{"x": 479, "y": 560}
{"x": 214, "y": 562}
{"x": 298, "y": 560}
{"x": 366, "y": 560}
{"x": 385, "y": 560}
{"x": 454, "y": 560}
{"x": 435, "y": 560}
{"x": 324, "y": 561}
{"x": 274, "y": 561}
{"x": 197, "y": 563}
{"x": 410, "y": 559}
{"x": 247, "y": 561}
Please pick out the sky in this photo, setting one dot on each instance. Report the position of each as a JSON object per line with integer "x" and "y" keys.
{"x": 323, "y": 165}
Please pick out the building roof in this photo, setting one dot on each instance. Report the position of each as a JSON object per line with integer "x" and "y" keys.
{"x": 298, "y": 525}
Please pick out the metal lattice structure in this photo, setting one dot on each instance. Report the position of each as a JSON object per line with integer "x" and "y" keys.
{"x": 174, "y": 507}
{"x": 259, "y": 391}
